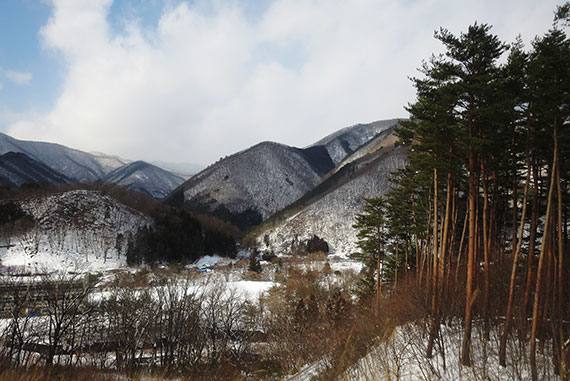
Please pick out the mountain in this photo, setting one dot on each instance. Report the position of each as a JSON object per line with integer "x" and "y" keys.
{"x": 76, "y": 165}
{"x": 251, "y": 185}
{"x": 385, "y": 138}
{"x": 146, "y": 178}
{"x": 18, "y": 169}
{"x": 346, "y": 141}
{"x": 329, "y": 210}
{"x": 71, "y": 229}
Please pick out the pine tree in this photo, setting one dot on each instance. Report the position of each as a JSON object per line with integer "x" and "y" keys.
{"x": 371, "y": 240}
{"x": 515, "y": 103}
{"x": 450, "y": 128}
{"x": 549, "y": 86}
{"x": 473, "y": 61}
{"x": 254, "y": 264}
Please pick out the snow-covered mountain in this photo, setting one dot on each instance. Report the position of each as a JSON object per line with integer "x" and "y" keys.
{"x": 346, "y": 141}
{"x": 18, "y": 168}
{"x": 80, "y": 229}
{"x": 75, "y": 164}
{"x": 146, "y": 178}
{"x": 251, "y": 185}
{"x": 329, "y": 211}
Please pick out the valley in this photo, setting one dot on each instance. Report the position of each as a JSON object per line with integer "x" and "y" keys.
{"x": 433, "y": 246}
{"x": 105, "y": 236}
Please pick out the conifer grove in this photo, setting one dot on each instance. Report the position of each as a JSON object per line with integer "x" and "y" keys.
{"x": 480, "y": 214}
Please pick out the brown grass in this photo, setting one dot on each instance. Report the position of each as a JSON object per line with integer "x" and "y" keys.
{"x": 57, "y": 373}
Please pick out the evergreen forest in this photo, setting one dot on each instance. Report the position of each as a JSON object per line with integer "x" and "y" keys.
{"x": 479, "y": 216}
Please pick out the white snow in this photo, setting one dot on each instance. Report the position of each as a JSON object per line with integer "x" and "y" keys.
{"x": 209, "y": 261}
{"x": 251, "y": 289}
{"x": 401, "y": 356}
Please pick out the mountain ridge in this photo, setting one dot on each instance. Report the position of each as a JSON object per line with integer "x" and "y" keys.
{"x": 329, "y": 212}
{"x": 252, "y": 184}
{"x": 146, "y": 178}
{"x": 80, "y": 166}
{"x": 19, "y": 169}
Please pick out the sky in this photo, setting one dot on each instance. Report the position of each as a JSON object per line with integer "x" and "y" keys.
{"x": 194, "y": 81}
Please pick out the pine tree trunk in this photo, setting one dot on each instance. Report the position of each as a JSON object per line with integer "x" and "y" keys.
{"x": 428, "y": 263}
{"x": 406, "y": 255}
{"x": 470, "y": 297}
{"x": 538, "y": 289}
{"x": 506, "y": 331}
{"x": 532, "y": 238}
{"x": 493, "y": 239}
{"x": 485, "y": 250}
{"x": 549, "y": 291}
{"x": 445, "y": 234}
{"x": 560, "y": 305}
{"x": 465, "y": 224}
{"x": 378, "y": 268}
{"x": 396, "y": 263}
{"x": 417, "y": 244}
{"x": 515, "y": 198}
{"x": 455, "y": 212}
{"x": 435, "y": 291}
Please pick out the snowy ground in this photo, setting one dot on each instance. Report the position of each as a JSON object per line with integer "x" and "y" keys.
{"x": 209, "y": 261}
{"x": 401, "y": 356}
{"x": 72, "y": 261}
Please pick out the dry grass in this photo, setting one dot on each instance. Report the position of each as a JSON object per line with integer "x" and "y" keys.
{"x": 57, "y": 373}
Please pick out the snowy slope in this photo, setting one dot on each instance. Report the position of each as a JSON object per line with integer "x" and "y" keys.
{"x": 331, "y": 213}
{"x": 344, "y": 142}
{"x": 386, "y": 138}
{"x": 145, "y": 177}
{"x": 256, "y": 182}
{"x": 80, "y": 229}
{"x": 75, "y": 164}
{"x": 19, "y": 168}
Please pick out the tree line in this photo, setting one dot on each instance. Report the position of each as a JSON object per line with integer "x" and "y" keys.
{"x": 481, "y": 209}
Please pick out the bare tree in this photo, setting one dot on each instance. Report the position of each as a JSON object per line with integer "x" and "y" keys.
{"x": 65, "y": 304}
{"x": 178, "y": 333}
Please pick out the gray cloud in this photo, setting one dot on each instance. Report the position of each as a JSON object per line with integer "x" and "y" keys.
{"x": 203, "y": 84}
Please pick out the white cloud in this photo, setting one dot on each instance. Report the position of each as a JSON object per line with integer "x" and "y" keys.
{"x": 207, "y": 80}
{"x": 19, "y": 78}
